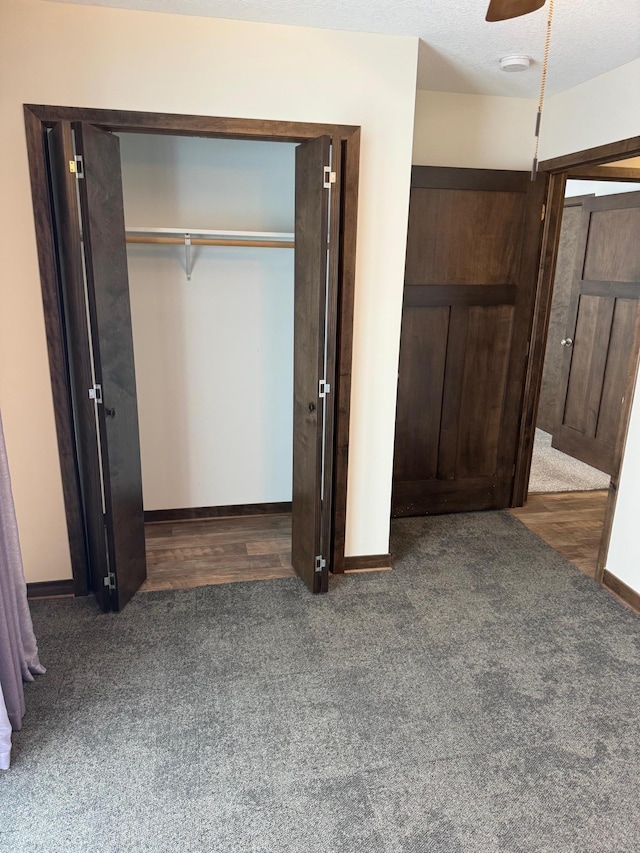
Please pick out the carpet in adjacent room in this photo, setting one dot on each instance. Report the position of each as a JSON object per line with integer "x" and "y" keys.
{"x": 482, "y": 697}
{"x": 554, "y": 471}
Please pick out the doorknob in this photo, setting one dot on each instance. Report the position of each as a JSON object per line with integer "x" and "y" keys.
{"x": 110, "y": 413}
{"x": 566, "y": 342}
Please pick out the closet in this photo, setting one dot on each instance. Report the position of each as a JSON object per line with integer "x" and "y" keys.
{"x": 199, "y": 286}
{"x": 209, "y": 225}
{"x": 210, "y": 239}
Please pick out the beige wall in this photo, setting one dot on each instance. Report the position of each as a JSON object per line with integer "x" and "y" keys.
{"x": 473, "y": 131}
{"x": 488, "y": 132}
{"x": 88, "y": 56}
{"x": 596, "y": 112}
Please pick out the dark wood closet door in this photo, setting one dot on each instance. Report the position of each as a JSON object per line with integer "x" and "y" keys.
{"x": 311, "y": 224}
{"x": 599, "y": 345}
{"x": 110, "y": 317}
{"x": 471, "y": 270}
{"x": 67, "y": 223}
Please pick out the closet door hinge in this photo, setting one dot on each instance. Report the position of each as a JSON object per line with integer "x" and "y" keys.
{"x": 320, "y": 563}
{"x": 329, "y": 178}
{"x": 110, "y": 581}
{"x": 95, "y": 393}
{"x": 323, "y": 389}
{"x": 543, "y": 213}
{"x": 76, "y": 166}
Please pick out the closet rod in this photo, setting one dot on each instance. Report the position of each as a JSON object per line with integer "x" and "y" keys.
{"x": 207, "y": 241}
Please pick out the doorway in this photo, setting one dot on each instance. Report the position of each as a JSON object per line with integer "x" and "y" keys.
{"x": 326, "y": 194}
{"x": 482, "y": 253}
{"x": 584, "y": 355}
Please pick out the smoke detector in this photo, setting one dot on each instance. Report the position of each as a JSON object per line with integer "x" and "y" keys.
{"x": 515, "y": 62}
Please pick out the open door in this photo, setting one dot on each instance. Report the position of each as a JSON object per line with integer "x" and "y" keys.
{"x": 103, "y": 226}
{"x": 313, "y": 182}
{"x": 599, "y": 343}
{"x": 471, "y": 270}
{"x": 96, "y": 167}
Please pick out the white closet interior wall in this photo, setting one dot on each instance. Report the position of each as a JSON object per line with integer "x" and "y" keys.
{"x": 214, "y": 355}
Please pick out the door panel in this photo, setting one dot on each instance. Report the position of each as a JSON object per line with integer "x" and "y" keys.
{"x": 593, "y": 327}
{"x": 485, "y": 371}
{"x": 612, "y": 232}
{"x": 67, "y": 222}
{"x": 615, "y": 378}
{"x": 601, "y": 328}
{"x": 311, "y": 233}
{"x": 426, "y": 356}
{"x": 472, "y": 255}
{"x": 108, "y": 292}
{"x": 477, "y": 247}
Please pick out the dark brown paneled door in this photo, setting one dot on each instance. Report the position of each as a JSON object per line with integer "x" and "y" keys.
{"x": 472, "y": 261}
{"x": 311, "y": 265}
{"x": 102, "y": 213}
{"x": 599, "y": 344}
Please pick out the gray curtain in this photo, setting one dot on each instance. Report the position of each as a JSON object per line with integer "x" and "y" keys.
{"x": 18, "y": 649}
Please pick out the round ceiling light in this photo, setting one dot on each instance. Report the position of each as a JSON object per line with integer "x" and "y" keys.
{"x": 515, "y": 62}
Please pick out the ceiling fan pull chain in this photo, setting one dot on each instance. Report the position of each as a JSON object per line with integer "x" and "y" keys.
{"x": 543, "y": 84}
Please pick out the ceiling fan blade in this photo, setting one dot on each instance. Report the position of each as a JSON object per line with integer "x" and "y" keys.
{"x": 502, "y": 10}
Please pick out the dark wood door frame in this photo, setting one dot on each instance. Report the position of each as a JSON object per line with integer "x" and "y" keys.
{"x": 583, "y": 165}
{"x": 346, "y": 153}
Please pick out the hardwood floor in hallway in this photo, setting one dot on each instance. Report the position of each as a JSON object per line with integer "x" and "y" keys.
{"x": 571, "y": 522}
{"x": 185, "y": 554}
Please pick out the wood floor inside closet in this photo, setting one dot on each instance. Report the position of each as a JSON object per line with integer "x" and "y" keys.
{"x": 571, "y": 522}
{"x": 184, "y": 554}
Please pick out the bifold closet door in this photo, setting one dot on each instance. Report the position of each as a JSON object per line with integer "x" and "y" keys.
{"x": 599, "y": 344}
{"x": 102, "y": 210}
{"x": 77, "y": 336}
{"x": 471, "y": 270}
{"x": 312, "y": 190}
{"x": 99, "y": 334}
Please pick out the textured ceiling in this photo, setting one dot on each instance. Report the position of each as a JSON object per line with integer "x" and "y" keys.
{"x": 459, "y": 51}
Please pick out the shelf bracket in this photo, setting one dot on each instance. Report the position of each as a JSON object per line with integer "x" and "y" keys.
{"x": 187, "y": 255}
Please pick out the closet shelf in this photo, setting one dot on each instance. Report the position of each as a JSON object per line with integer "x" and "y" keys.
{"x": 199, "y": 237}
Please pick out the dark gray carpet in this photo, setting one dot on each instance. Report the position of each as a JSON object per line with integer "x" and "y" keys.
{"x": 484, "y": 696}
